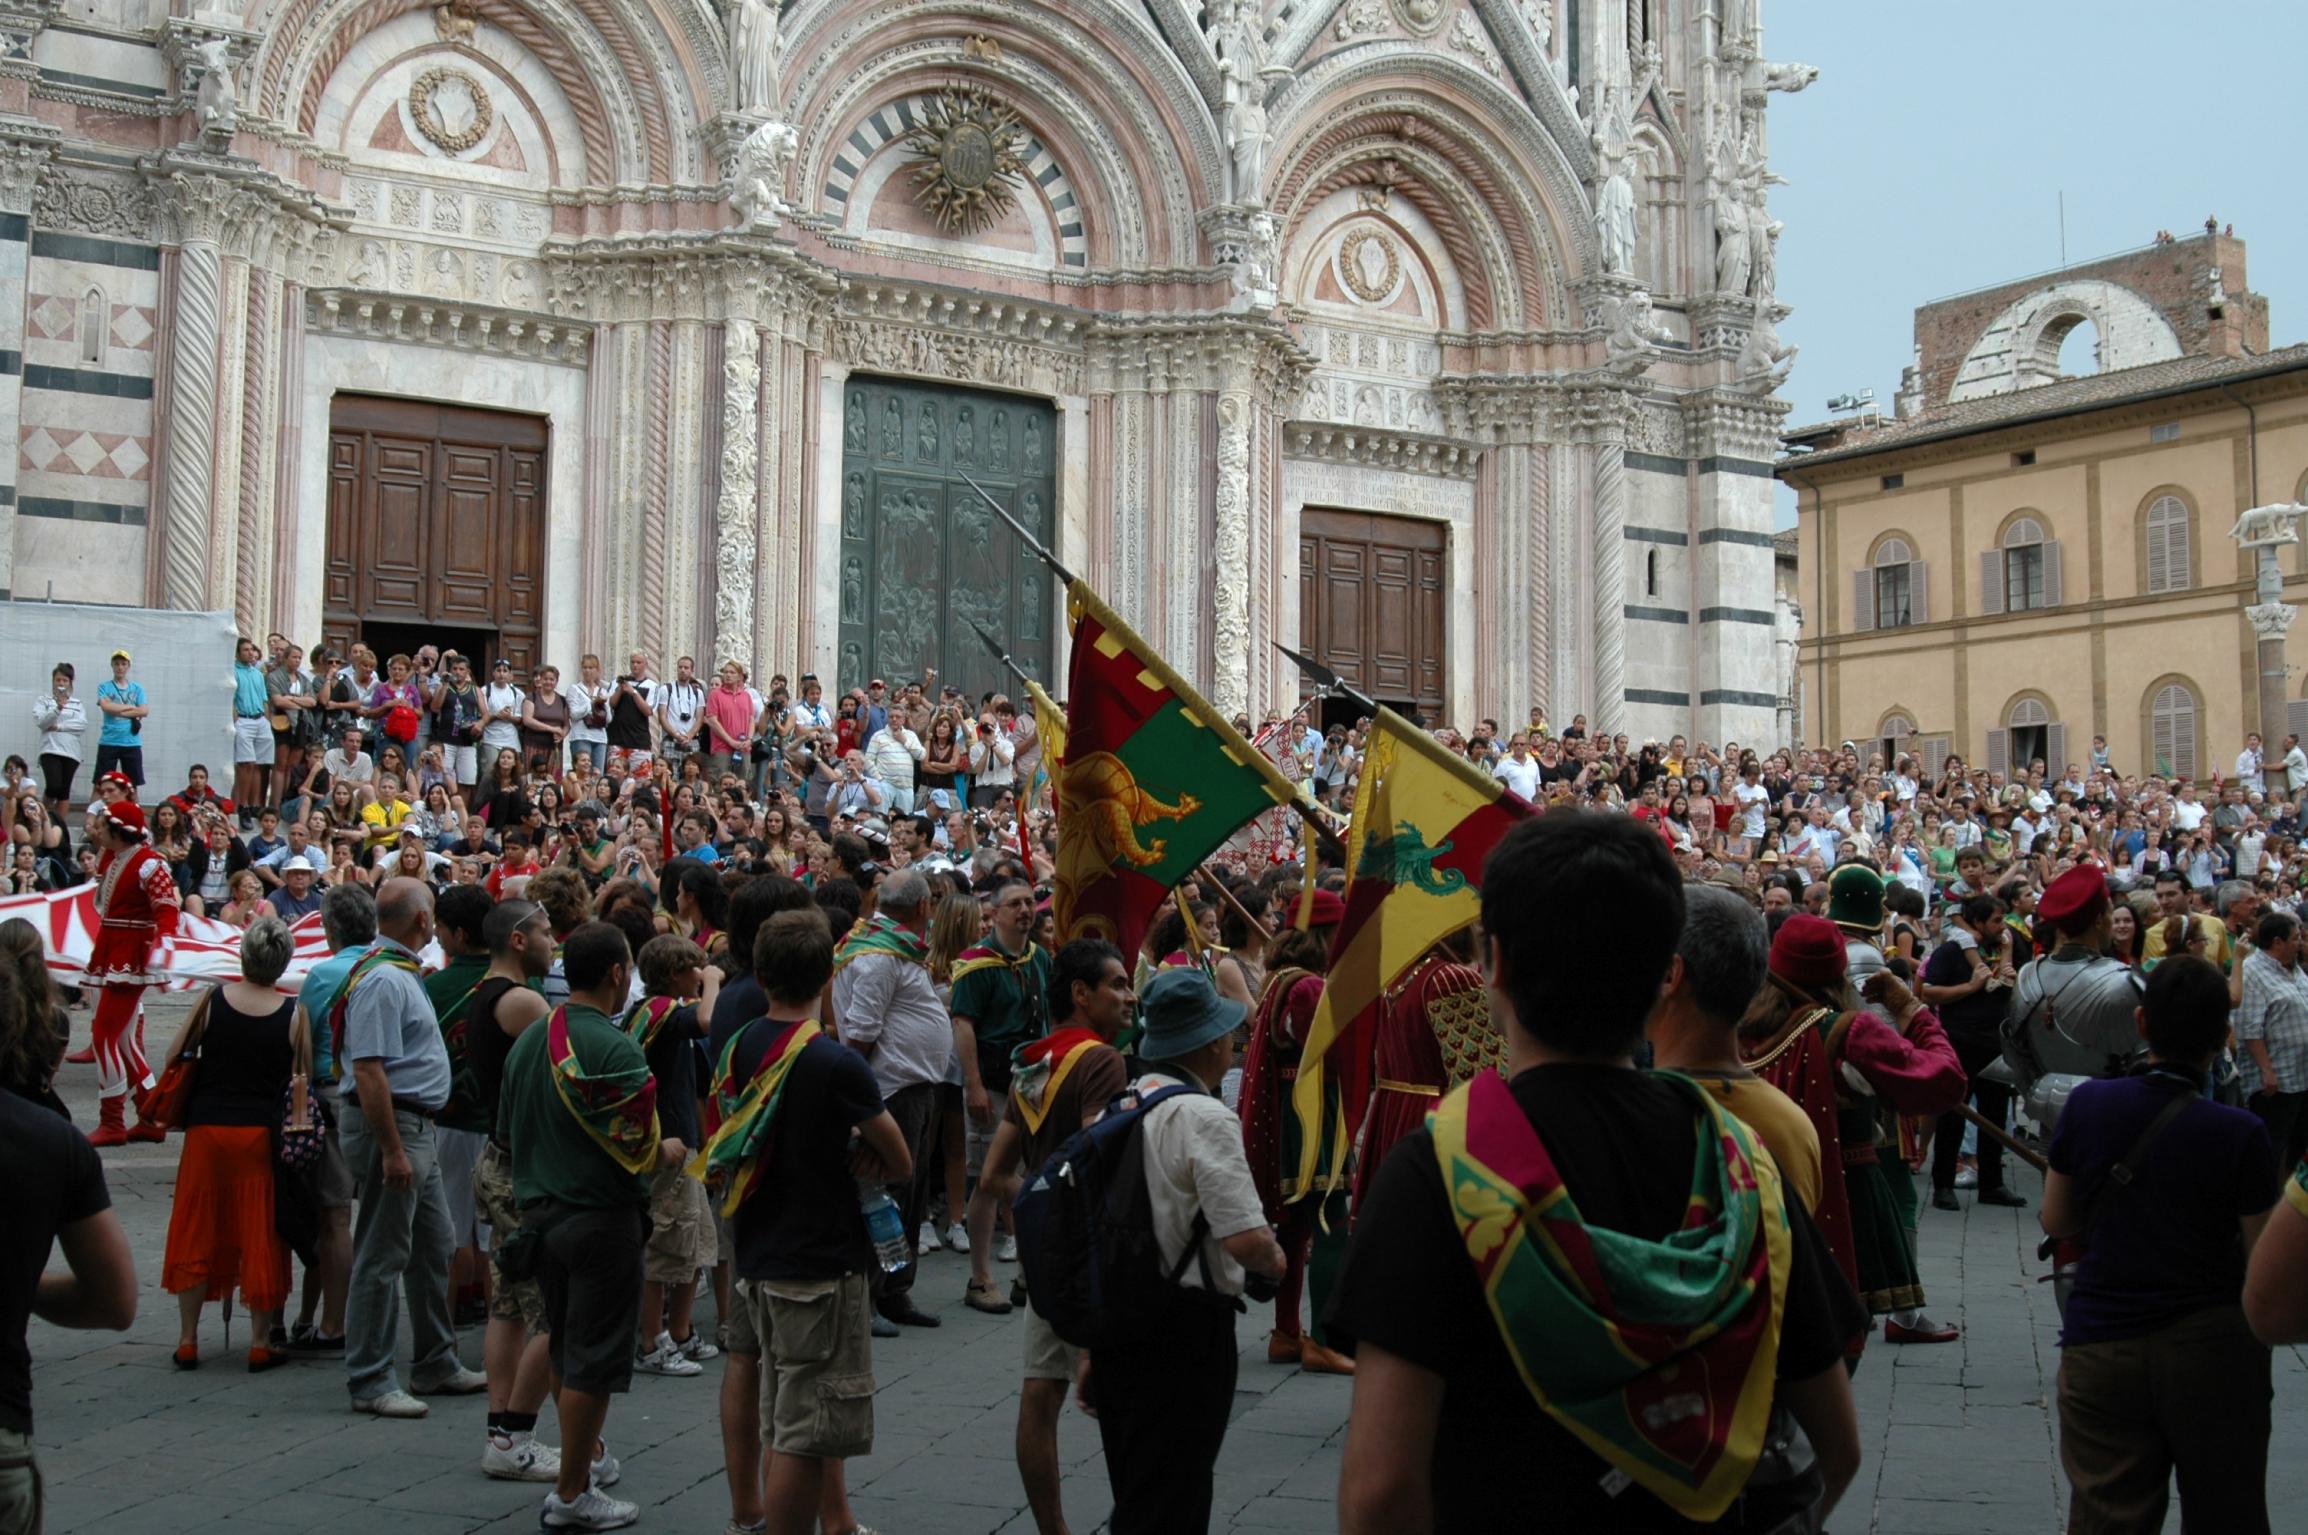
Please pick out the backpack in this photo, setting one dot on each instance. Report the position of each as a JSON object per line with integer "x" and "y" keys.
{"x": 1085, "y": 1224}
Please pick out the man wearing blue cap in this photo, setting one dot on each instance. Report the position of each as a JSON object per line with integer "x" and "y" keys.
{"x": 1161, "y": 1403}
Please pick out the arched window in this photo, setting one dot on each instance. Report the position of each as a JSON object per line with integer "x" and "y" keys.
{"x": 1890, "y": 593}
{"x": 2029, "y": 734}
{"x": 2164, "y": 526}
{"x": 1651, "y": 573}
{"x": 1893, "y": 736}
{"x": 95, "y": 318}
{"x": 2173, "y": 716}
{"x": 2023, "y": 565}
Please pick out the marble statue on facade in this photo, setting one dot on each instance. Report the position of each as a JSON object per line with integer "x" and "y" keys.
{"x": 1237, "y": 37}
{"x": 216, "y": 103}
{"x": 757, "y": 191}
{"x": 1765, "y": 360}
{"x": 755, "y": 49}
{"x": 1634, "y": 336}
{"x": 1788, "y": 77}
{"x": 1614, "y": 141}
{"x": 1243, "y": 121}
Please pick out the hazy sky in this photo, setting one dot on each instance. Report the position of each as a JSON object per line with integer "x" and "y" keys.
{"x": 1929, "y": 158}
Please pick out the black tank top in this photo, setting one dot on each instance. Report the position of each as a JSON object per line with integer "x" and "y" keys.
{"x": 245, "y": 1063}
{"x": 487, "y": 1045}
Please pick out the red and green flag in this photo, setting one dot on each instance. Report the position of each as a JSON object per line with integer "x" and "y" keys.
{"x": 1154, "y": 780}
{"x": 1424, "y": 821}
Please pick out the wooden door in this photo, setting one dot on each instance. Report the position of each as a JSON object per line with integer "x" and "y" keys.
{"x": 436, "y": 516}
{"x": 1371, "y": 603}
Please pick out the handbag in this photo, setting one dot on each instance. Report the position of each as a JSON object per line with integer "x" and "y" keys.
{"x": 171, "y": 1097}
{"x": 401, "y": 723}
{"x": 299, "y": 1146}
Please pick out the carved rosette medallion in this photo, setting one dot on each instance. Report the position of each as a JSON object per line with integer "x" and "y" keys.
{"x": 968, "y": 168}
{"x": 1369, "y": 265}
{"x": 451, "y": 110}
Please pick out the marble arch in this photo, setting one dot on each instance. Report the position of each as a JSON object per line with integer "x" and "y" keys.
{"x": 1140, "y": 178}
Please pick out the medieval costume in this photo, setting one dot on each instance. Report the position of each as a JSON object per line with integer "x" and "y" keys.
{"x": 137, "y": 907}
{"x": 1309, "y": 1213}
{"x": 1846, "y": 1067}
{"x": 1434, "y": 1032}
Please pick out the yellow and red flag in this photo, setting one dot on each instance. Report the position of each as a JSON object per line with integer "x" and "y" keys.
{"x": 1154, "y": 780}
{"x": 1424, "y": 821}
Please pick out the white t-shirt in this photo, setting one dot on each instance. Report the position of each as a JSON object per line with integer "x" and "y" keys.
{"x": 1522, "y": 777}
{"x": 1751, "y": 798}
{"x": 2188, "y": 814}
{"x": 2248, "y": 769}
{"x": 1195, "y": 1161}
{"x": 496, "y": 735}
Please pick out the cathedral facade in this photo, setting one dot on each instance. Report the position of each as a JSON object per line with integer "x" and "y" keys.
{"x": 1436, "y": 338}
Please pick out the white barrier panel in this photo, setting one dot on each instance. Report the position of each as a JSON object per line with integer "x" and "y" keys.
{"x": 184, "y": 661}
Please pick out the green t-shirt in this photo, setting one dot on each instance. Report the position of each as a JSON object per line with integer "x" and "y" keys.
{"x": 454, "y": 982}
{"x": 553, "y": 1156}
{"x": 1008, "y": 1003}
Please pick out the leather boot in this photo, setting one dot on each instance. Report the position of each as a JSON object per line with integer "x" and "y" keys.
{"x": 111, "y": 1122}
{"x": 85, "y": 1057}
{"x": 1281, "y": 1348}
{"x": 1315, "y": 1359}
{"x": 146, "y": 1129}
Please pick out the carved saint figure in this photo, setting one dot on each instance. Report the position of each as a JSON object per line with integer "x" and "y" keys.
{"x": 893, "y": 428}
{"x": 1033, "y": 447}
{"x": 754, "y": 49}
{"x": 1244, "y": 123}
{"x": 998, "y": 441}
{"x": 853, "y": 434}
{"x": 965, "y": 436}
{"x": 853, "y": 506}
{"x": 852, "y": 589}
{"x": 926, "y": 437}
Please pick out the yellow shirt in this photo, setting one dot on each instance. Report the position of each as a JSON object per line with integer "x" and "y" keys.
{"x": 1786, "y": 1131}
{"x": 2215, "y": 931}
{"x": 383, "y": 819}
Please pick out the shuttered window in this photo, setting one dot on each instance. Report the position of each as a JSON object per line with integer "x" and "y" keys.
{"x": 2172, "y": 731}
{"x": 2169, "y": 567}
{"x": 2024, "y": 573}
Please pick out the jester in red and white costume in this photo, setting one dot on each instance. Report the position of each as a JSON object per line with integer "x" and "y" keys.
{"x": 137, "y": 908}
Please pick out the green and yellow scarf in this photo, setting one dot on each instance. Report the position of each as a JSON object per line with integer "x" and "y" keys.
{"x": 1657, "y": 1355}
{"x": 879, "y": 935}
{"x": 617, "y": 1109}
{"x": 378, "y": 958}
{"x": 738, "y": 1152}
{"x": 645, "y": 1019}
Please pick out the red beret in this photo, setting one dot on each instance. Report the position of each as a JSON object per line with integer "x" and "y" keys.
{"x": 125, "y": 816}
{"x": 1328, "y": 910}
{"x": 1808, "y": 952}
{"x": 2074, "y": 901}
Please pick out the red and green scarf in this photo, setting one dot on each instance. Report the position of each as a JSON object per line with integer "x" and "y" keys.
{"x": 464, "y": 1110}
{"x": 1657, "y": 1355}
{"x": 880, "y": 935}
{"x": 738, "y": 1154}
{"x": 618, "y": 1109}
{"x": 1039, "y": 1067}
{"x": 378, "y": 958}
{"x": 645, "y": 1019}
{"x": 991, "y": 955}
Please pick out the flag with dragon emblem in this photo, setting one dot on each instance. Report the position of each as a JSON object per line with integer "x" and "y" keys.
{"x": 1424, "y": 821}
{"x": 1154, "y": 780}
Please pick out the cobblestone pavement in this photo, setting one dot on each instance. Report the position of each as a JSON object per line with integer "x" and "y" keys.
{"x": 1960, "y": 1439}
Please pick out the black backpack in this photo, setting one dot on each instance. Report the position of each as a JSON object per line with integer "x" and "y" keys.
{"x": 1085, "y": 1225}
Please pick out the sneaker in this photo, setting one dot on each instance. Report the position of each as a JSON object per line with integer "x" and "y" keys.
{"x": 1967, "y": 1177}
{"x": 606, "y": 1471}
{"x": 958, "y": 1238}
{"x": 304, "y": 1343}
{"x": 698, "y": 1347}
{"x": 520, "y": 1458}
{"x": 390, "y": 1404}
{"x": 1007, "y": 1248}
{"x": 458, "y": 1382}
{"x": 592, "y": 1509}
{"x": 883, "y": 1327}
{"x": 734, "y": 1528}
{"x": 929, "y": 1242}
{"x": 665, "y": 1359}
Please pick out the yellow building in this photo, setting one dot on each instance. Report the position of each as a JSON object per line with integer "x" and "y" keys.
{"x": 2018, "y": 561}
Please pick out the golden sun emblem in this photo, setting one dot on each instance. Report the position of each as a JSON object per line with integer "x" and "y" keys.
{"x": 967, "y": 162}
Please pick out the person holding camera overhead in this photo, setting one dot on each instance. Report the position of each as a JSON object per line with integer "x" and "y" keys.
{"x": 993, "y": 756}
{"x": 632, "y": 704}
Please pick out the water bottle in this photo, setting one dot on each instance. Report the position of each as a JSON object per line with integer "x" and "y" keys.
{"x": 885, "y": 1228}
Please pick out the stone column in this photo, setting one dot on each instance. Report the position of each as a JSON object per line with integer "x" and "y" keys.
{"x": 1230, "y": 550}
{"x": 195, "y": 312}
{"x": 1610, "y": 524}
{"x": 2271, "y": 619}
{"x": 25, "y": 148}
{"x": 735, "y": 546}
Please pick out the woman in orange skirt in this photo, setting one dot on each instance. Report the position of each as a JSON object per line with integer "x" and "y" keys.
{"x": 220, "y": 1232}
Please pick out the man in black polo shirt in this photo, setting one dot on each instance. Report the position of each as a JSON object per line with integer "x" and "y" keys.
{"x": 1969, "y": 980}
{"x": 1460, "y": 1411}
{"x": 632, "y": 704}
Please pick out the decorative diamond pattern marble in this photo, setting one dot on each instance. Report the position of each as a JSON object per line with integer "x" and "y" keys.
{"x": 51, "y": 318}
{"x": 132, "y": 326}
{"x": 93, "y": 455}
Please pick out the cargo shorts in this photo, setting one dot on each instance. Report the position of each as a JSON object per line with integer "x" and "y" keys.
{"x": 814, "y": 1338}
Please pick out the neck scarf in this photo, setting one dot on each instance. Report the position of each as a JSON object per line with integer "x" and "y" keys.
{"x": 738, "y": 1154}
{"x": 990, "y": 954}
{"x": 1040, "y": 1066}
{"x": 617, "y": 1109}
{"x": 881, "y": 936}
{"x": 645, "y": 1019}
{"x": 1656, "y": 1354}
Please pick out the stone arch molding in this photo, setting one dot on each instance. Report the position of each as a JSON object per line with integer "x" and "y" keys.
{"x": 862, "y": 167}
{"x": 2020, "y": 347}
{"x": 642, "y": 77}
{"x": 1113, "y": 108}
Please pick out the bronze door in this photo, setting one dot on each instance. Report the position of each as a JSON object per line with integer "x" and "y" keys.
{"x": 436, "y": 519}
{"x": 922, "y": 557}
{"x": 1371, "y": 604}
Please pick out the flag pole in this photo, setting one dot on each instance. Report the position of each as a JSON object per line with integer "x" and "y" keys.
{"x": 1024, "y": 537}
{"x": 995, "y": 646}
{"x": 1326, "y": 680}
{"x": 1256, "y": 926}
